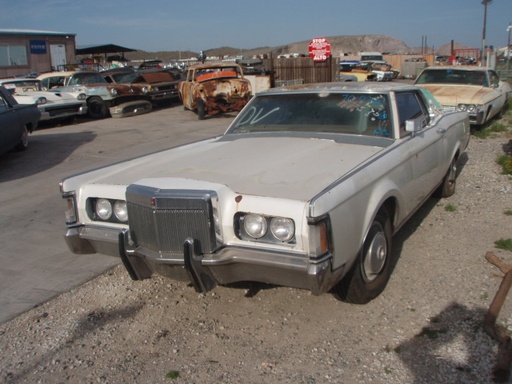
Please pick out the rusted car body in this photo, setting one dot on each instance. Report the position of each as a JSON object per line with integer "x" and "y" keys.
{"x": 210, "y": 89}
{"x": 159, "y": 86}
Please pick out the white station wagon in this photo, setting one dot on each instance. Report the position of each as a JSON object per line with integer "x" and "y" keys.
{"x": 305, "y": 189}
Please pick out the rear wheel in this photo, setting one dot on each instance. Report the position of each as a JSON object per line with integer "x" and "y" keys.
{"x": 371, "y": 271}
{"x": 97, "y": 107}
{"x": 23, "y": 144}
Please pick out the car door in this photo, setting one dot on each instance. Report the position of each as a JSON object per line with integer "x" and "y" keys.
{"x": 424, "y": 149}
{"x": 10, "y": 131}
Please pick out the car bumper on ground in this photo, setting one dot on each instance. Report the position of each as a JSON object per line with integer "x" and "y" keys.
{"x": 131, "y": 108}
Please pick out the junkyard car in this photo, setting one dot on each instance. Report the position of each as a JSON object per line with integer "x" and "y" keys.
{"x": 52, "y": 105}
{"x": 16, "y": 122}
{"x": 159, "y": 86}
{"x": 477, "y": 90}
{"x": 102, "y": 98}
{"x": 214, "y": 88}
{"x": 305, "y": 189}
{"x": 367, "y": 71}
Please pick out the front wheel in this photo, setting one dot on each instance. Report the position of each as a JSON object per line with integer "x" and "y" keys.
{"x": 23, "y": 144}
{"x": 447, "y": 187}
{"x": 201, "y": 110}
{"x": 372, "y": 269}
{"x": 97, "y": 107}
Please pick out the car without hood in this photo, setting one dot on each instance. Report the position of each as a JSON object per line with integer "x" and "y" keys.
{"x": 158, "y": 86}
{"x": 210, "y": 89}
{"x": 305, "y": 189}
{"x": 476, "y": 90}
{"x": 102, "y": 98}
{"x": 52, "y": 105}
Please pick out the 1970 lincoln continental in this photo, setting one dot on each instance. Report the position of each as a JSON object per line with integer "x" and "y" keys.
{"x": 305, "y": 189}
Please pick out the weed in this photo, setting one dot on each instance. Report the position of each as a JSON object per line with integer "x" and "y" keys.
{"x": 505, "y": 244}
{"x": 506, "y": 162}
{"x": 172, "y": 375}
{"x": 450, "y": 208}
{"x": 508, "y": 212}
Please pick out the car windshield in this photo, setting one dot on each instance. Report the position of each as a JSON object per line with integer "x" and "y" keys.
{"x": 23, "y": 86}
{"x": 124, "y": 77}
{"x": 453, "y": 76}
{"x": 87, "y": 78}
{"x": 348, "y": 113}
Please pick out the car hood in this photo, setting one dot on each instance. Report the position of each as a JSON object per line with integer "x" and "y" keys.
{"x": 451, "y": 94}
{"x": 51, "y": 97}
{"x": 282, "y": 167}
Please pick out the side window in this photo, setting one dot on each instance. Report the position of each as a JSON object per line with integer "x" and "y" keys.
{"x": 409, "y": 108}
{"x": 3, "y": 105}
{"x": 495, "y": 80}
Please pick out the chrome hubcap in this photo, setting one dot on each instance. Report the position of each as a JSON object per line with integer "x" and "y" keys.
{"x": 376, "y": 256}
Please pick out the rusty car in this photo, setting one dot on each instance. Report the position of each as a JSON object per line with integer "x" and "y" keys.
{"x": 476, "y": 90}
{"x": 305, "y": 189}
{"x": 103, "y": 99}
{"x": 209, "y": 89}
{"x": 158, "y": 85}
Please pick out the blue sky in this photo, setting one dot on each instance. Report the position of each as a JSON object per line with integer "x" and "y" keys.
{"x": 169, "y": 25}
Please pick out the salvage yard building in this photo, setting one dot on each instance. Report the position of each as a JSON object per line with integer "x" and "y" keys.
{"x": 24, "y": 50}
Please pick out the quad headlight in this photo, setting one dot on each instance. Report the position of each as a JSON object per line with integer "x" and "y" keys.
{"x": 81, "y": 96}
{"x": 41, "y": 100}
{"x": 471, "y": 108}
{"x": 268, "y": 229}
{"x": 109, "y": 210}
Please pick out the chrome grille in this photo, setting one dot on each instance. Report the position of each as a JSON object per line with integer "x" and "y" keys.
{"x": 161, "y": 220}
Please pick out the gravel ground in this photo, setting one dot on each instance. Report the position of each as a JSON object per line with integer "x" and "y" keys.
{"x": 425, "y": 328}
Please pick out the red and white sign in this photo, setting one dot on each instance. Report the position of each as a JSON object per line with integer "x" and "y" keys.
{"x": 319, "y": 49}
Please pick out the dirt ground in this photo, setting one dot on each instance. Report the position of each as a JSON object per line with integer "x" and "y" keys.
{"x": 425, "y": 328}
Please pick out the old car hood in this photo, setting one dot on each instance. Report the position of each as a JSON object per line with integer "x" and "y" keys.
{"x": 452, "y": 94}
{"x": 293, "y": 168}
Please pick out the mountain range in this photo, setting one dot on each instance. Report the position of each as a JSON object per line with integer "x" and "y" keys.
{"x": 340, "y": 45}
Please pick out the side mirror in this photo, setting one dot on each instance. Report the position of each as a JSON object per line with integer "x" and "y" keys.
{"x": 415, "y": 125}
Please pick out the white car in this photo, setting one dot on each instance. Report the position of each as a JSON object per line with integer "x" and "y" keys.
{"x": 476, "y": 90}
{"x": 305, "y": 189}
{"x": 52, "y": 105}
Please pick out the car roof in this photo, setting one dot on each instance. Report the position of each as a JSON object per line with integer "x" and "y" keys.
{"x": 62, "y": 73}
{"x": 213, "y": 65}
{"x": 368, "y": 87}
{"x": 458, "y": 67}
{"x": 13, "y": 79}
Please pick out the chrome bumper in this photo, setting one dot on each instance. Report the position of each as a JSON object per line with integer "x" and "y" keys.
{"x": 205, "y": 271}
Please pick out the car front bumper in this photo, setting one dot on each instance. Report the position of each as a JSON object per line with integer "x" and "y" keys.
{"x": 227, "y": 265}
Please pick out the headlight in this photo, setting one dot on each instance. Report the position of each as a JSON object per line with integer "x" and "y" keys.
{"x": 144, "y": 89}
{"x": 103, "y": 209}
{"x": 468, "y": 108}
{"x": 282, "y": 228}
{"x": 265, "y": 229}
{"x": 255, "y": 225}
{"x": 113, "y": 91}
{"x": 82, "y": 97}
{"x": 120, "y": 211}
{"x": 41, "y": 100}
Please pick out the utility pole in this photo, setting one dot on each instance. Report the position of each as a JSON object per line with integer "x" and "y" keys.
{"x": 485, "y": 3}
{"x": 508, "y": 43}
